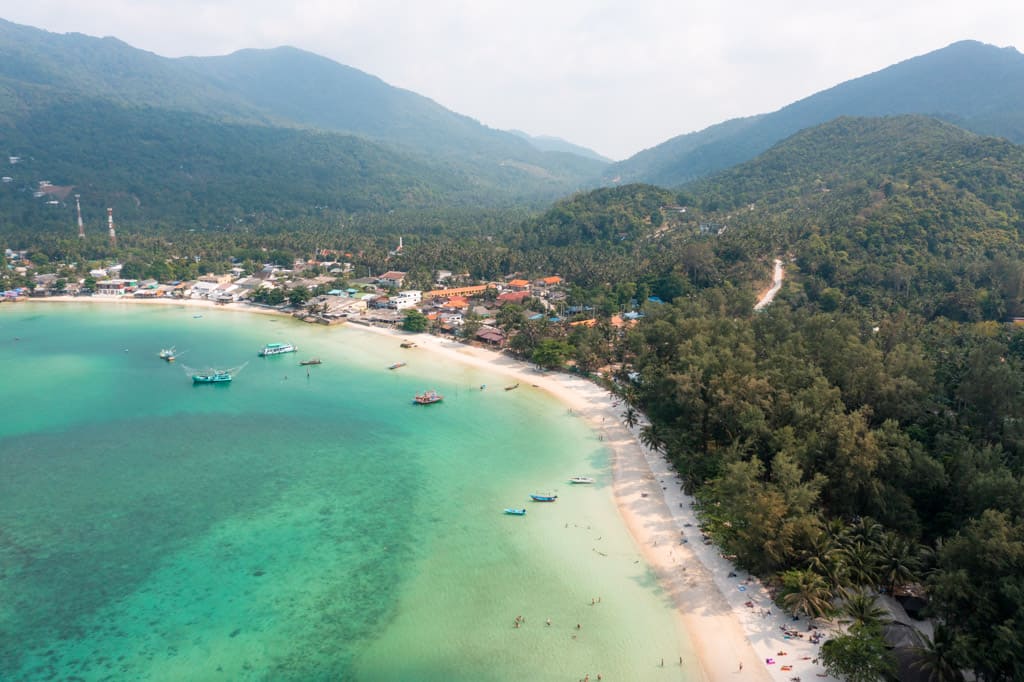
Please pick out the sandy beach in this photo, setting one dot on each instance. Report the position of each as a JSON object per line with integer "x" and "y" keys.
{"x": 711, "y": 594}
{"x": 736, "y": 631}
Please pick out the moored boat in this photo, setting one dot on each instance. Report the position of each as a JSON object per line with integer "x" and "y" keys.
{"x": 544, "y": 498}
{"x": 396, "y": 365}
{"x": 311, "y": 361}
{"x": 408, "y": 344}
{"x": 277, "y": 349}
{"x": 581, "y": 479}
{"x": 428, "y": 398}
{"x": 212, "y": 376}
{"x": 512, "y": 387}
{"x": 516, "y": 512}
{"x": 167, "y": 354}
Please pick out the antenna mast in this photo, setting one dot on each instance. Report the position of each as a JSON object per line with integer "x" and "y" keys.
{"x": 110, "y": 224}
{"x": 81, "y": 225}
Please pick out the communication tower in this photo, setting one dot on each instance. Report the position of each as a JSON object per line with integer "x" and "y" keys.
{"x": 110, "y": 224}
{"x": 81, "y": 225}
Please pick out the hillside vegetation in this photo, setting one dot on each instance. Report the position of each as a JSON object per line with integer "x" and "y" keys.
{"x": 279, "y": 108}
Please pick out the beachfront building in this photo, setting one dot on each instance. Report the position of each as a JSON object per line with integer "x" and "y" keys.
{"x": 491, "y": 336}
{"x": 405, "y": 299}
{"x": 115, "y": 287}
{"x": 203, "y": 289}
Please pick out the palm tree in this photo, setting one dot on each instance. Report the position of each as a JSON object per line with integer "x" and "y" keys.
{"x": 861, "y": 564}
{"x": 808, "y": 594}
{"x": 631, "y": 417}
{"x": 936, "y": 659}
{"x": 898, "y": 565}
{"x": 651, "y": 438}
{"x": 863, "y": 612}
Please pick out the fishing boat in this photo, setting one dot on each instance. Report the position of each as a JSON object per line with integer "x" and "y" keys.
{"x": 544, "y": 498}
{"x": 277, "y": 349}
{"x": 167, "y": 354}
{"x": 512, "y": 387}
{"x": 311, "y": 361}
{"x": 581, "y": 479}
{"x": 428, "y": 398}
{"x": 408, "y": 344}
{"x": 516, "y": 512}
{"x": 396, "y": 365}
{"x": 212, "y": 376}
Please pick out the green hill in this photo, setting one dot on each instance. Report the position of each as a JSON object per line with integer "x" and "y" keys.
{"x": 41, "y": 72}
{"x": 979, "y": 87}
{"x": 905, "y": 211}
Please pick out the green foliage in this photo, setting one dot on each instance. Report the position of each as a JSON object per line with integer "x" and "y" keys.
{"x": 414, "y": 321}
{"x": 551, "y": 353}
{"x": 858, "y": 657}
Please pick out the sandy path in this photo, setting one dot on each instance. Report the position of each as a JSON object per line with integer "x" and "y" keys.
{"x": 768, "y": 296}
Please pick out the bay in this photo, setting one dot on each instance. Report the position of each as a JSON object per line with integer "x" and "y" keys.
{"x": 298, "y": 527}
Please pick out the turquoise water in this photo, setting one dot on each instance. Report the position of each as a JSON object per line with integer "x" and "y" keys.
{"x": 294, "y": 527}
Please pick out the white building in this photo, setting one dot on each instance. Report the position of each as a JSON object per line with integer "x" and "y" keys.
{"x": 405, "y": 299}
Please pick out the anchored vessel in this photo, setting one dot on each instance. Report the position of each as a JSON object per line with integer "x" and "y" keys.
{"x": 428, "y": 398}
{"x": 277, "y": 349}
{"x": 581, "y": 479}
{"x": 167, "y": 354}
{"x": 212, "y": 376}
{"x": 544, "y": 498}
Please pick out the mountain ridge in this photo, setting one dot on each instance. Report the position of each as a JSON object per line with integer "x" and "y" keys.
{"x": 977, "y": 86}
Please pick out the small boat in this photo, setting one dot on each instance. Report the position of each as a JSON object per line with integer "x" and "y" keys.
{"x": 277, "y": 349}
{"x": 544, "y": 498}
{"x": 408, "y": 344}
{"x": 428, "y": 398}
{"x": 213, "y": 376}
{"x": 581, "y": 479}
{"x": 516, "y": 512}
{"x": 512, "y": 387}
{"x": 396, "y": 365}
{"x": 167, "y": 354}
{"x": 311, "y": 361}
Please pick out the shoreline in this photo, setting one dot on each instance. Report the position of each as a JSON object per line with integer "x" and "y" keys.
{"x": 710, "y": 594}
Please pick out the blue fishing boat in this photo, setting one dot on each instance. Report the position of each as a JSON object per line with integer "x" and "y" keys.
{"x": 544, "y": 498}
{"x": 213, "y": 376}
{"x": 516, "y": 512}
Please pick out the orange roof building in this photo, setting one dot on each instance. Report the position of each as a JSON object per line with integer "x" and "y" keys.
{"x": 457, "y": 291}
{"x": 519, "y": 283}
{"x": 549, "y": 281}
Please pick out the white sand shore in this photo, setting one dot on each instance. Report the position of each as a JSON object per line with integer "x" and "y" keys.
{"x": 711, "y": 595}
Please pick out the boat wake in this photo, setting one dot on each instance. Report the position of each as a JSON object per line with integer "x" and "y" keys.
{"x": 192, "y": 371}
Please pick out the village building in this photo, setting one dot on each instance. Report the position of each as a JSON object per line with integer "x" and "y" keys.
{"x": 392, "y": 279}
{"x": 491, "y": 336}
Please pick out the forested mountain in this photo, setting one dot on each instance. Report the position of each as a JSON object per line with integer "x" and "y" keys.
{"x": 556, "y": 144}
{"x": 979, "y": 87}
{"x": 863, "y": 433}
{"x": 72, "y": 83}
{"x": 159, "y": 169}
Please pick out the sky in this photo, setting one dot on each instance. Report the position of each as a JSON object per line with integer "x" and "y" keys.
{"x": 616, "y": 76}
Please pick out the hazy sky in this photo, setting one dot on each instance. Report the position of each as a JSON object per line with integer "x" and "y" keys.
{"x": 617, "y": 76}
